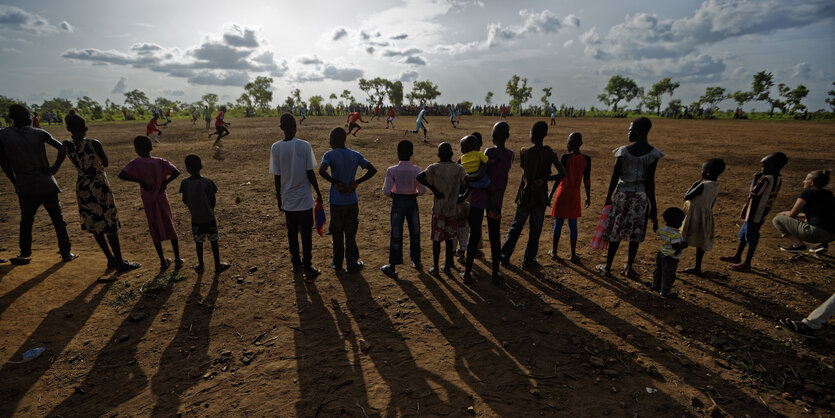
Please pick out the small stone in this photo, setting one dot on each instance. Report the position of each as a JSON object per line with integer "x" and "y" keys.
{"x": 253, "y": 269}
{"x": 611, "y": 372}
{"x": 471, "y": 410}
{"x": 597, "y": 362}
{"x": 225, "y": 353}
{"x": 240, "y": 280}
{"x": 717, "y": 341}
{"x": 536, "y": 393}
{"x": 137, "y": 316}
{"x": 630, "y": 337}
{"x": 123, "y": 338}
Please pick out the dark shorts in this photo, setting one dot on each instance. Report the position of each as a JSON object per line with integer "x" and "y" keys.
{"x": 204, "y": 232}
{"x": 352, "y": 126}
{"x": 221, "y": 129}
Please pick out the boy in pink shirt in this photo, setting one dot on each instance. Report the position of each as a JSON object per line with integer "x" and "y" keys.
{"x": 402, "y": 186}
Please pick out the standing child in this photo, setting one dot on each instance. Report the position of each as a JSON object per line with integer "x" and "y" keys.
{"x": 452, "y": 119}
{"x": 207, "y": 116}
{"x": 153, "y": 175}
{"x": 445, "y": 179}
{"x": 303, "y": 114}
{"x": 463, "y": 232}
{"x": 343, "y": 199}
{"x": 220, "y": 127}
{"x": 666, "y": 260}
{"x": 764, "y": 190}
{"x": 697, "y": 230}
{"x": 567, "y": 201}
{"x": 390, "y": 120}
{"x": 152, "y": 127}
{"x": 194, "y": 115}
{"x": 199, "y": 196}
{"x": 402, "y": 186}
{"x": 553, "y": 115}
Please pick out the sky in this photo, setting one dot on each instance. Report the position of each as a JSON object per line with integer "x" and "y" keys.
{"x": 183, "y": 49}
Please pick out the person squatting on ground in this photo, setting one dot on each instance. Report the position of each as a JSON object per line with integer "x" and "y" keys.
{"x": 343, "y": 199}
{"x": 153, "y": 175}
{"x": 532, "y": 195}
{"x": 698, "y": 228}
{"x": 764, "y": 189}
{"x": 567, "y": 200}
{"x": 818, "y": 204}
{"x": 444, "y": 179}
{"x": 816, "y": 319}
{"x": 96, "y": 206}
{"x": 199, "y": 196}
{"x": 220, "y": 127}
{"x": 402, "y": 186}
{"x": 351, "y": 123}
{"x": 632, "y": 196}
{"x": 480, "y": 201}
{"x": 291, "y": 164}
{"x": 420, "y": 123}
{"x": 666, "y": 260}
{"x": 23, "y": 160}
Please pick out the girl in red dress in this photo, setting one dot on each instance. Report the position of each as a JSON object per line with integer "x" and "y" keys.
{"x": 567, "y": 201}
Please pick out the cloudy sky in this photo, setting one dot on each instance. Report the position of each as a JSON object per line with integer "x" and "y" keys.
{"x": 183, "y": 49}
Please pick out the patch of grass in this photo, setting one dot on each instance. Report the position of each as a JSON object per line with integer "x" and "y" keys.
{"x": 157, "y": 283}
{"x": 123, "y": 294}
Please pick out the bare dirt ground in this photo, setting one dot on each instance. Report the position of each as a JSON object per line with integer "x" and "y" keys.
{"x": 562, "y": 341}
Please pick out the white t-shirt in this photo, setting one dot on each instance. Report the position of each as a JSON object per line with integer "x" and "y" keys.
{"x": 291, "y": 160}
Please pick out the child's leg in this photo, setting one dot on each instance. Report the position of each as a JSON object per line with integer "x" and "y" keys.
{"x": 199, "y": 247}
{"x": 450, "y": 255}
{"x": 572, "y": 234}
{"x": 668, "y": 275}
{"x": 413, "y": 222}
{"x": 753, "y": 237}
{"x": 557, "y": 232}
{"x": 158, "y": 247}
{"x": 657, "y": 273}
{"x": 111, "y": 262}
{"x": 436, "y": 252}
{"x": 700, "y": 255}
{"x": 219, "y": 265}
{"x": 610, "y": 255}
{"x": 175, "y": 246}
{"x": 630, "y": 260}
{"x": 113, "y": 239}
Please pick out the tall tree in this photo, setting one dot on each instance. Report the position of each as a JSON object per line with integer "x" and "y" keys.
{"x": 396, "y": 93}
{"x": 713, "y": 96}
{"x": 545, "y": 99}
{"x": 376, "y": 89}
{"x": 423, "y": 92}
{"x": 58, "y": 105}
{"x": 89, "y": 108}
{"x": 619, "y": 88}
{"x": 244, "y": 101}
{"x": 348, "y": 97}
{"x": 761, "y": 89}
{"x": 519, "y": 94}
{"x": 164, "y": 103}
{"x": 794, "y": 97}
{"x": 332, "y": 97}
{"x": 741, "y": 97}
{"x": 488, "y": 99}
{"x": 316, "y": 101}
{"x": 137, "y": 101}
{"x": 210, "y": 99}
{"x": 259, "y": 91}
{"x": 659, "y": 89}
{"x": 297, "y": 96}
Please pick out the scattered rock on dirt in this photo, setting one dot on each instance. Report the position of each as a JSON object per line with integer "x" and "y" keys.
{"x": 137, "y": 316}
{"x": 597, "y": 362}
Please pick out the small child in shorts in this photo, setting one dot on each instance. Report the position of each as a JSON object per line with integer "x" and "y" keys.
{"x": 475, "y": 164}
{"x": 666, "y": 260}
{"x": 199, "y": 196}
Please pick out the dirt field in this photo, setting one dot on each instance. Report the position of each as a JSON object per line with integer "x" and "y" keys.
{"x": 563, "y": 341}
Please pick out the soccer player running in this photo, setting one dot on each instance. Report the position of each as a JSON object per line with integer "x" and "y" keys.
{"x": 353, "y": 117}
{"x": 452, "y": 115}
{"x": 220, "y": 127}
{"x": 390, "y": 119}
{"x": 419, "y": 123}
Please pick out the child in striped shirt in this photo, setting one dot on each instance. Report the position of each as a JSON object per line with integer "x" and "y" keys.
{"x": 666, "y": 261}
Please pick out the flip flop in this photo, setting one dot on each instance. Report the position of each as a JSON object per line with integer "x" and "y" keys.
{"x": 739, "y": 267}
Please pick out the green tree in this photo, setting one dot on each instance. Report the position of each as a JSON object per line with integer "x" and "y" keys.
{"x": 793, "y": 98}
{"x": 831, "y": 99}
{"x": 316, "y": 101}
{"x": 674, "y": 106}
{"x": 713, "y": 96}
{"x": 289, "y": 102}
{"x": 761, "y": 89}
{"x": 741, "y": 97}
{"x": 137, "y": 101}
{"x": 244, "y": 101}
{"x": 376, "y": 89}
{"x": 518, "y": 94}
{"x": 332, "y": 97}
{"x": 396, "y": 93}
{"x": 259, "y": 91}
{"x": 423, "y": 92}
{"x": 488, "y": 99}
{"x": 89, "y": 108}
{"x": 162, "y": 103}
{"x": 545, "y": 99}
{"x": 619, "y": 88}
{"x": 58, "y": 105}
{"x": 653, "y": 97}
{"x": 210, "y": 99}
{"x": 347, "y": 97}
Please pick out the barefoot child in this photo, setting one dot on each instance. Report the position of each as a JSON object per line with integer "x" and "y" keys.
{"x": 199, "y": 196}
{"x": 153, "y": 126}
{"x": 697, "y": 230}
{"x": 402, "y": 186}
{"x": 764, "y": 190}
{"x": 153, "y": 175}
{"x": 567, "y": 202}
{"x": 445, "y": 179}
{"x": 666, "y": 260}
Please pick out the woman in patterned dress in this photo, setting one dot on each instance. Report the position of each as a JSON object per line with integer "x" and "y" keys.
{"x": 95, "y": 200}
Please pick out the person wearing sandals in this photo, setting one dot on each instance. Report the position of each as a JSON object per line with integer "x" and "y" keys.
{"x": 815, "y": 320}
{"x": 632, "y": 196}
{"x": 764, "y": 189}
{"x": 818, "y": 204}
{"x": 96, "y": 206}
{"x": 666, "y": 260}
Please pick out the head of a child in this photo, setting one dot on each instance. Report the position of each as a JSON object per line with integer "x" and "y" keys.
{"x": 639, "y": 129}
{"x": 479, "y": 140}
{"x": 468, "y": 143}
{"x": 816, "y": 179}
{"x": 193, "y": 165}
{"x": 713, "y": 168}
{"x": 223, "y": 109}
{"x": 445, "y": 150}
{"x": 20, "y": 115}
{"x": 773, "y": 163}
{"x": 337, "y": 138}
{"x": 75, "y": 124}
{"x": 405, "y": 149}
{"x": 287, "y": 123}
{"x": 575, "y": 141}
{"x": 538, "y": 132}
{"x": 142, "y": 146}
{"x": 501, "y": 131}
{"x": 155, "y": 116}
{"x": 673, "y": 217}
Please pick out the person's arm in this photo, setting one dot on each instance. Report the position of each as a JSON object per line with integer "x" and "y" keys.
{"x": 277, "y": 179}
{"x": 481, "y": 172}
{"x": 370, "y": 171}
{"x": 7, "y": 166}
{"x": 213, "y": 195}
{"x": 799, "y": 204}
{"x": 561, "y": 173}
{"x": 421, "y": 178}
{"x": 650, "y": 188}
{"x": 323, "y": 171}
{"x": 695, "y": 190}
{"x": 563, "y": 161}
{"x": 124, "y": 176}
{"x": 174, "y": 174}
{"x": 493, "y": 156}
{"x": 313, "y": 182}
{"x": 613, "y": 182}
{"x": 388, "y": 183}
{"x": 99, "y": 150}
{"x": 62, "y": 153}
{"x": 587, "y": 181}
